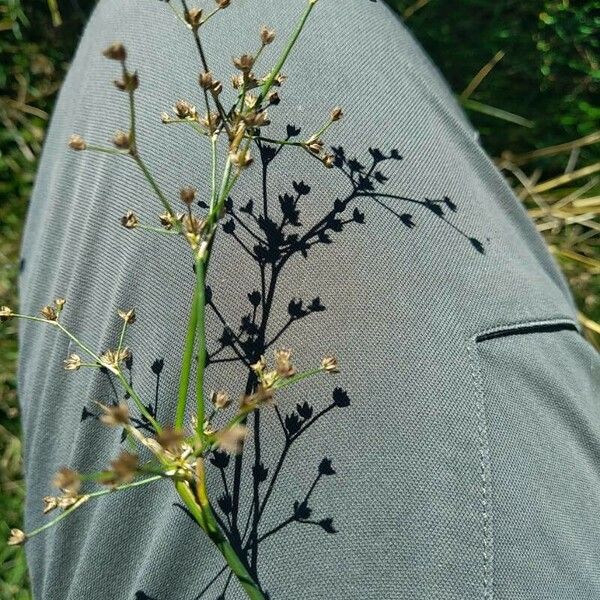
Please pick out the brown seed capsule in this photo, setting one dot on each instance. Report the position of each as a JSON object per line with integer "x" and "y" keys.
{"x": 76, "y": 142}
{"x": 183, "y": 109}
{"x": 128, "y": 316}
{"x": 67, "y": 480}
{"x": 171, "y": 439}
{"x": 329, "y": 161}
{"x": 330, "y": 364}
{"x": 72, "y": 363}
{"x": 6, "y": 313}
{"x": 206, "y": 80}
{"x": 283, "y": 364}
{"x": 315, "y": 145}
{"x": 166, "y": 220}
{"x": 273, "y": 98}
{"x": 259, "y": 366}
{"x": 129, "y": 83}
{"x": 241, "y": 159}
{"x": 223, "y": 3}
{"x": 211, "y": 121}
{"x": 124, "y": 468}
{"x": 115, "y": 51}
{"x": 121, "y": 140}
{"x": 194, "y": 17}
{"x": 244, "y": 62}
{"x": 188, "y": 195}
{"x": 221, "y": 400}
{"x": 16, "y": 538}
{"x": 256, "y": 120}
{"x": 115, "y": 416}
{"x": 267, "y": 36}
{"x": 230, "y": 440}
{"x": 336, "y": 114}
{"x": 50, "y": 503}
{"x": 129, "y": 220}
{"x": 49, "y": 313}
{"x": 280, "y": 79}
{"x": 237, "y": 81}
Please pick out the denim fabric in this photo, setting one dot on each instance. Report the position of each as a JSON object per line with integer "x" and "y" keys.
{"x": 464, "y": 427}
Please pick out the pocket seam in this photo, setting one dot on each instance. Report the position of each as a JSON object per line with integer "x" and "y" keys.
{"x": 482, "y": 433}
{"x": 485, "y": 470}
{"x": 508, "y": 327}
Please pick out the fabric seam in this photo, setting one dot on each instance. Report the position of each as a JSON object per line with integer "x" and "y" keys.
{"x": 483, "y": 439}
{"x": 484, "y": 466}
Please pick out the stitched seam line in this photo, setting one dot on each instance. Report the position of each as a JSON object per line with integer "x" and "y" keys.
{"x": 484, "y": 466}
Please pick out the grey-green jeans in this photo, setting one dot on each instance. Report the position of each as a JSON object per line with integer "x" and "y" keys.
{"x": 457, "y": 455}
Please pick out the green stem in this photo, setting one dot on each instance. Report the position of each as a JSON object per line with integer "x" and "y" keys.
{"x": 201, "y": 343}
{"x": 137, "y": 400}
{"x": 166, "y": 204}
{"x": 87, "y": 497}
{"x": 186, "y": 366}
{"x": 268, "y": 84}
{"x": 206, "y": 520}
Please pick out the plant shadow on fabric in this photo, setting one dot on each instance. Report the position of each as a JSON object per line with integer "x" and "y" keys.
{"x": 272, "y": 234}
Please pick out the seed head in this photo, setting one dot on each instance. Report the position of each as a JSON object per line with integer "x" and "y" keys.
{"x": 187, "y": 195}
{"x": 121, "y": 140}
{"x": 129, "y": 220}
{"x": 223, "y": 3}
{"x": 49, "y": 313}
{"x": 59, "y": 303}
{"x": 115, "y": 416}
{"x": 336, "y": 114}
{"x": 244, "y": 63}
{"x": 315, "y": 145}
{"x": 67, "y": 501}
{"x": 211, "y": 120}
{"x": 128, "y": 316}
{"x": 6, "y": 313}
{"x": 221, "y": 400}
{"x": 67, "y": 480}
{"x": 230, "y": 440}
{"x": 267, "y": 36}
{"x": 242, "y": 158}
{"x": 76, "y": 142}
{"x": 259, "y": 366}
{"x": 283, "y": 364}
{"x": 184, "y": 110}
{"x": 206, "y": 80}
{"x": 111, "y": 358}
{"x": 72, "y": 363}
{"x": 194, "y": 17}
{"x": 330, "y": 364}
{"x": 116, "y": 51}
{"x": 129, "y": 83}
{"x": 124, "y": 468}
{"x": 16, "y": 538}
{"x": 167, "y": 220}
{"x": 329, "y": 161}
{"x": 171, "y": 439}
{"x": 50, "y": 503}
{"x": 273, "y": 98}
{"x": 165, "y": 117}
{"x": 256, "y": 120}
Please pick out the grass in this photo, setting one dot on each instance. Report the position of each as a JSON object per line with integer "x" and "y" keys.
{"x": 555, "y": 172}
